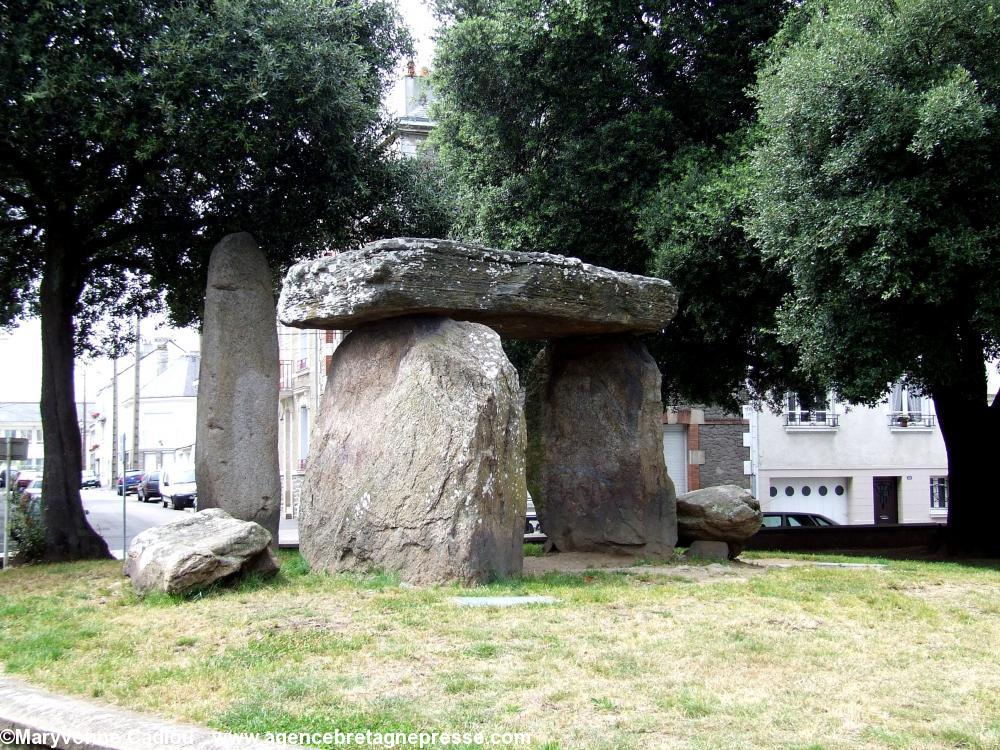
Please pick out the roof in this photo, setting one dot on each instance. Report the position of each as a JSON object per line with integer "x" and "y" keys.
{"x": 179, "y": 379}
{"x": 26, "y": 412}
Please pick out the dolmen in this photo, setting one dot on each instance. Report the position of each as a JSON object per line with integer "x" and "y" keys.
{"x": 423, "y": 453}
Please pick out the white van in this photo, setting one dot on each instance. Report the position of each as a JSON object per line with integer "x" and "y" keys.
{"x": 178, "y": 489}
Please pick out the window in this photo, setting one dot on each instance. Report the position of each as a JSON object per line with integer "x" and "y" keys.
{"x": 303, "y": 435}
{"x": 805, "y": 410}
{"x": 909, "y": 408}
{"x": 939, "y": 493}
{"x": 772, "y": 522}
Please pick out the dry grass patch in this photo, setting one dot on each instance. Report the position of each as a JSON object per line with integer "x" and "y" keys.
{"x": 905, "y": 656}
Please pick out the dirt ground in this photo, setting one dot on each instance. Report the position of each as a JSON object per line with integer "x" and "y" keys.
{"x": 576, "y": 562}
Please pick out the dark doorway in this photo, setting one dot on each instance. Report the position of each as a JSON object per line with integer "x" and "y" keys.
{"x": 886, "y": 501}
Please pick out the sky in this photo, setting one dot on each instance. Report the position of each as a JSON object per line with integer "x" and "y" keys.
{"x": 20, "y": 349}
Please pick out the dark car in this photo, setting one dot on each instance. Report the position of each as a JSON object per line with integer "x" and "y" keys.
{"x": 532, "y": 528}
{"x": 775, "y": 519}
{"x": 149, "y": 488}
{"x": 132, "y": 479}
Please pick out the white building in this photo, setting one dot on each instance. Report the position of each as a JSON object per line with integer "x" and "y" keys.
{"x": 168, "y": 391}
{"x": 853, "y": 464}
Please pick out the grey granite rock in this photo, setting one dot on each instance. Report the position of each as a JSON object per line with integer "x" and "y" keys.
{"x": 196, "y": 551}
{"x": 417, "y": 458}
{"x": 236, "y": 454}
{"x": 520, "y": 295}
{"x": 595, "y": 461}
{"x": 726, "y": 513}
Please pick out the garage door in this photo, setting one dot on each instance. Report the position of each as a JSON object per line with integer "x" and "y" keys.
{"x": 675, "y": 454}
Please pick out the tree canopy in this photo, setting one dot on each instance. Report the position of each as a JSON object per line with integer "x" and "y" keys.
{"x": 876, "y": 188}
{"x": 133, "y": 135}
{"x": 556, "y": 119}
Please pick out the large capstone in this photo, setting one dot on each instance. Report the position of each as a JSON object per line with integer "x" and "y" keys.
{"x": 726, "y": 513}
{"x": 236, "y": 457}
{"x": 595, "y": 460}
{"x": 417, "y": 459}
{"x": 520, "y": 295}
{"x": 196, "y": 551}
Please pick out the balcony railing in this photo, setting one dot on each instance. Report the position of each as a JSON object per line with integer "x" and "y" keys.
{"x": 285, "y": 374}
{"x": 899, "y": 420}
{"x": 811, "y": 419}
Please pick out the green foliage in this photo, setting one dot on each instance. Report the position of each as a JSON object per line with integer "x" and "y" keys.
{"x": 27, "y": 532}
{"x": 726, "y": 324}
{"x": 876, "y": 183}
{"x": 140, "y": 132}
{"x": 555, "y": 119}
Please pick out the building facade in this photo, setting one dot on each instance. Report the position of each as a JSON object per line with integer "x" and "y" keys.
{"x": 704, "y": 446}
{"x": 164, "y": 434}
{"x": 853, "y": 464}
{"x": 304, "y": 356}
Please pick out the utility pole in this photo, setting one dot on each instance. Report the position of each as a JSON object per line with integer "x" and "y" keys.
{"x": 83, "y": 430}
{"x": 114, "y": 421}
{"x": 135, "y": 399}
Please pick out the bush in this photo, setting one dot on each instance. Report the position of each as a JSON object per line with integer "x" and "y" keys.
{"x": 27, "y": 530}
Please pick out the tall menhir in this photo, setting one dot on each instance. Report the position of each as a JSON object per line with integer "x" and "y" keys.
{"x": 236, "y": 456}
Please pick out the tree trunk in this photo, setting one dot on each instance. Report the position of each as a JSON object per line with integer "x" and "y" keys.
{"x": 971, "y": 430}
{"x": 68, "y": 536}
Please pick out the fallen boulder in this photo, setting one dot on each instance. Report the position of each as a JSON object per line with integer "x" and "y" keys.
{"x": 726, "y": 513}
{"x": 520, "y": 295}
{"x": 416, "y": 462}
{"x": 196, "y": 551}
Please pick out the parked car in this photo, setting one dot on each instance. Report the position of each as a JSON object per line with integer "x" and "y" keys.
{"x": 32, "y": 492}
{"x": 149, "y": 487}
{"x": 178, "y": 489}
{"x": 774, "y": 520}
{"x": 132, "y": 479}
{"x": 89, "y": 479}
{"x": 23, "y": 478}
{"x": 532, "y": 528}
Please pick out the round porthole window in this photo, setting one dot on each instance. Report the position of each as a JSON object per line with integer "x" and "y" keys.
{"x": 774, "y": 492}
{"x": 807, "y": 490}
{"x": 822, "y": 490}
{"x": 789, "y": 491}
{"x": 839, "y": 489}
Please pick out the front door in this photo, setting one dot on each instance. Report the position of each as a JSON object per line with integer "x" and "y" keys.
{"x": 886, "y": 502}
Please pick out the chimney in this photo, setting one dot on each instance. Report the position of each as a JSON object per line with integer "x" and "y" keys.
{"x": 161, "y": 359}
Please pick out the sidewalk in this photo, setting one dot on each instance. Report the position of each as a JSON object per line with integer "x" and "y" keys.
{"x": 76, "y": 724}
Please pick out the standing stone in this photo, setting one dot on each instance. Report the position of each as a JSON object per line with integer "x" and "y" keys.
{"x": 417, "y": 457}
{"x": 595, "y": 465}
{"x": 236, "y": 456}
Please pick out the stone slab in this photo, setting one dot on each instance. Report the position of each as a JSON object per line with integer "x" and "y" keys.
{"x": 704, "y": 550}
{"x": 87, "y": 725}
{"x": 501, "y": 601}
{"x": 518, "y": 294}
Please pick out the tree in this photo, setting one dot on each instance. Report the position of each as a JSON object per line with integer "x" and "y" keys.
{"x": 723, "y": 345}
{"x": 133, "y": 135}
{"x": 556, "y": 119}
{"x": 876, "y": 188}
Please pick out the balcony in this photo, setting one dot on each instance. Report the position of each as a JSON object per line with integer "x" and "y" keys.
{"x": 285, "y": 375}
{"x": 915, "y": 421}
{"x": 811, "y": 421}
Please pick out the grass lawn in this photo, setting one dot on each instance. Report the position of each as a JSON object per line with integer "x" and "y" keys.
{"x": 907, "y": 656}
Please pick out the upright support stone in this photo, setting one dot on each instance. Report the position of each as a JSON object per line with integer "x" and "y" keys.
{"x": 236, "y": 456}
{"x": 595, "y": 465}
{"x": 417, "y": 457}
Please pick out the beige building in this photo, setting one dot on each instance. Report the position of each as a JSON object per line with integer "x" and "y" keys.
{"x": 303, "y": 360}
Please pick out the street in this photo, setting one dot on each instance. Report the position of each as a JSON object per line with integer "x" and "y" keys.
{"x": 104, "y": 512}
